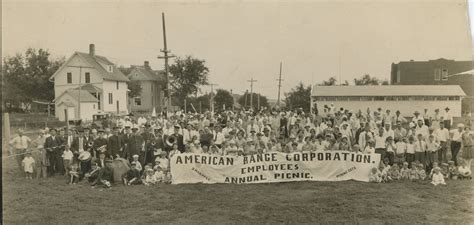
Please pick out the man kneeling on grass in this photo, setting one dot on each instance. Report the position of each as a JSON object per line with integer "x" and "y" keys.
{"x": 100, "y": 176}
{"x": 132, "y": 177}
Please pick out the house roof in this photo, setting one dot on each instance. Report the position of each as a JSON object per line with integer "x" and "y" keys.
{"x": 68, "y": 104}
{"x": 96, "y": 61}
{"x": 90, "y": 88}
{"x": 146, "y": 74}
{"x": 74, "y": 93}
{"x": 388, "y": 90}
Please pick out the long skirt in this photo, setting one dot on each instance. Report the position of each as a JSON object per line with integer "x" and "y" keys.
{"x": 468, "y": 152}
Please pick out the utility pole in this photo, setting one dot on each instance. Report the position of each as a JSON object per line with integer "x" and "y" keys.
{"x": 258, "y": 102}
{"x": 212, "y": 98}
{"x": 251, "y": 91}
{"x": 80, "y": 87}
{"x": 166, "y": 57}
{"x": 279, "y": 86}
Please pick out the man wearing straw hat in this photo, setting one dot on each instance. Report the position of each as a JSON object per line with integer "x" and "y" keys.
{"x": 20, "y": 143}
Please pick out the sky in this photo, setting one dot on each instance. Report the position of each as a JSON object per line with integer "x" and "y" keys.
{"x": 242, "y": 39}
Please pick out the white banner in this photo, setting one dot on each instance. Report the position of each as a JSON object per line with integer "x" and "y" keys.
{"x": 272, "y": 167}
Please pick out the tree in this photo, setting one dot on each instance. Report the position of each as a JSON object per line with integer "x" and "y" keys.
{"x": 135, "y": 88}
{"x": 26, "y": 77}
{"x": 246, "y": 99}
{"x": 221, "y": 98}
{"x": 299, "y": 97}
{"x": 367, "y": 80}
{"x": 331, "y": 82}
{"x": 186, "y": 76}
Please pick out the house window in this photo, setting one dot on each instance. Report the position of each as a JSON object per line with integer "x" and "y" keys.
{"x": 88, "y": 77}
{"x": 398, "y": 76}
{"x": 379, "y": 98}
{"x": 454, "y": 98}
{"x": 391, "y": 98}
{"x": 418, "y": 98}
{"x": 442, "y": 98}
{"x": 444, "y": 74}
{"x": 93, "y": 106}
{"x": 110, "y": 69}
{"x": 138, "y": 101}
{"x": 69, "y": 78}
{"x": 111, "y": 100}
{"x": 117, "y": 85}
{"x": 437, "y": 74}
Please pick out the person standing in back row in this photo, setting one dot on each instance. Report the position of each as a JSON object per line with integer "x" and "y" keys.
{"x": 20, "y": 144}
{"x": 456, "y": 140}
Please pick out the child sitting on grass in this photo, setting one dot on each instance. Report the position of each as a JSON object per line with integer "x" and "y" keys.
{"x": 132, "y": 177}
{"x": 138, "y": 165}
{"x": 405, "y": 171}
{"x": 383, "y": 172}
{"x": 414, "y": 176}
{"x": 375, "y": 176}
{"x": 445, "y": 170}
{"x": 437, "y": 177}
{"x": 74, "y": 174}
{"x": 435, "y": 164}
{"x": 394, "y": 173}
{"x": 421, "y": 172}
{"x": 464, "y": 171}
{"x": 149, "y": 176}
{"x": 453, "y": 171}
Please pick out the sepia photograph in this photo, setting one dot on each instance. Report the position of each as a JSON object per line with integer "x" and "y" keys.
{"x": 237, "y": 112}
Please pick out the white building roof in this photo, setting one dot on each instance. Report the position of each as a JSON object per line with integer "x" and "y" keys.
{"x": 388, "y": 90}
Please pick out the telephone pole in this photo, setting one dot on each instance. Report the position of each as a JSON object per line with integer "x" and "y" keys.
{"x": 251, "y": 91}
{"x": 166, "y": 57}
{"x": 279, "y": 86}
{"x": 212, "y": 97}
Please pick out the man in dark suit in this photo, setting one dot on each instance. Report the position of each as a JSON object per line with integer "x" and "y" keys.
{"x": 53, "y": 151}
{"x": 148, "y": 138}
{"x": 115, "y": 144}
{"x": 178, "y": 138}
{"x": 127, "y": 134}
{"x": 79, "y": 143}
{"x": 135, "y": 144}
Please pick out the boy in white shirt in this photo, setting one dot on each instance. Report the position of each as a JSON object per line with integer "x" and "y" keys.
{"x": 420, "y": 149}
{"x": 67, "y": 159}
{"x": 410, "y": 150}
{"x": 400, "y": 150}
{"x": 432, "y": 148}
{"x": 442, "y": 135}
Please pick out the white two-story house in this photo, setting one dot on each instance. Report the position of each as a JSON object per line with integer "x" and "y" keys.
{"x": 87, "y": 84}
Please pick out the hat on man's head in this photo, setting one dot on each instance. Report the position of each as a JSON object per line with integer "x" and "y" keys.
{"x": 416, "y": 113}
{"x": 460, "y": 125}
{"x": 447, "y": 108}
{"x": 135, "y": 156}
{"x": 135, "y": 128}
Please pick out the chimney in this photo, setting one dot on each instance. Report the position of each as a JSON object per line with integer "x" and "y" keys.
{"x": 146, "y": 64}
{"x": 92, "y": 49}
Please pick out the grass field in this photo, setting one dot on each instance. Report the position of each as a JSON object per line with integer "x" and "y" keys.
{"x": 52, "y": 201}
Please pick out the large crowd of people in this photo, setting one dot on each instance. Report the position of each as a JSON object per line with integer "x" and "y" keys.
{"x": 412, "y": 148}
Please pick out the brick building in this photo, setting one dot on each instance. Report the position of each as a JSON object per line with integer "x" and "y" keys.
{"x": 436, "y": 72}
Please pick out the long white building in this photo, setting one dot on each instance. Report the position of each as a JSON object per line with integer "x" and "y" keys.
{"x": 406, "y": 98}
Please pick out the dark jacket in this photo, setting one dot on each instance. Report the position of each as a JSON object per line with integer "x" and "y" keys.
{"x": 52, "y": 146}
{"x": 115, "y": 144}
